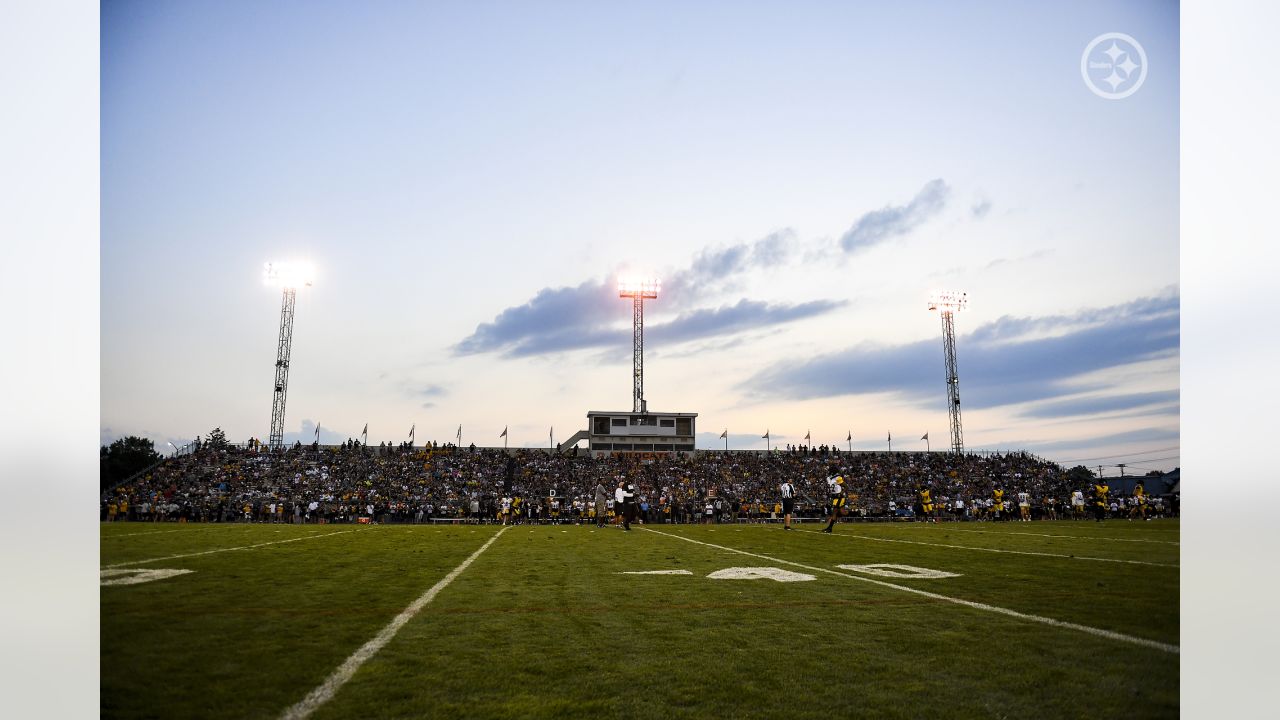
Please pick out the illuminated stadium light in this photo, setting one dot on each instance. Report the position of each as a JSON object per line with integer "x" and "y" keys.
{"x": 948, "y": 300}
{"x": 638, "y": 288}
{"x": 948, "y": 303}
{"x": 289, "y": 274}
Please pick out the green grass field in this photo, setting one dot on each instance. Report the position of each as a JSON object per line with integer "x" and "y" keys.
{"x": 543, "y": 623}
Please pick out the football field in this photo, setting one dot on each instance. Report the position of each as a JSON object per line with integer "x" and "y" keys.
{"x": 1043, "y": 619}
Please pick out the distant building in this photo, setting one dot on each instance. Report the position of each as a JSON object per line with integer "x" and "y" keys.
{"x": 1166, "y": 484}
{"x": 647, "y": 432}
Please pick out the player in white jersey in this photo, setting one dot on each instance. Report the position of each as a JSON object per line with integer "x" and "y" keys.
{"x": 506, "y": 509}
{"x": 1077, "y": 504}
{"x": 1024, "y": 506}
{"x": 619, "y": 494}
{"x": 835, "y": 489}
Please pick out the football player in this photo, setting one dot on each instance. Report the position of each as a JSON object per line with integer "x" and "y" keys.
{"x": 1100, "y": 491}
{"x": 835, "y": 490}
{"x": 926, "y": 504}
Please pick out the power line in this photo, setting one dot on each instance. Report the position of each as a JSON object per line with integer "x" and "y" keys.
{"x": 1146, "y": 467}
{"x": 1145, "y": 460}
{"x": 1125, "y": 455}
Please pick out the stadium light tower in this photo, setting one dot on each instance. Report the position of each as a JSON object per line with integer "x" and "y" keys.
{"x": 289, "y": 277}
{"x": 638, "y": 289}
{"x": 947, "y": 303}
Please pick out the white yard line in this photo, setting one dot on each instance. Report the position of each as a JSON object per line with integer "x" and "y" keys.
{"x": 210, "y": 552}
{"x": 165, "y": 532}
{"x": 326, "y": 690}
{"x": 1098, "y": 632}
{"x": 1003, "y": 552}
{"x": 1076, "y": 537}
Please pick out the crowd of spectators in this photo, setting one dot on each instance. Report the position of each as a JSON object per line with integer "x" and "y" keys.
{"x": 355, "y": 483}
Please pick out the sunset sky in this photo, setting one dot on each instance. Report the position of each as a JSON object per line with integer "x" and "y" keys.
{"x": 469, "y": 179}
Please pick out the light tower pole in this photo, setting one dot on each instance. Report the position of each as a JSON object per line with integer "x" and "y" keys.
{"x": 288, "y": 277}
{"x": 947, "y": 303}
{"x": 638, "y": 289}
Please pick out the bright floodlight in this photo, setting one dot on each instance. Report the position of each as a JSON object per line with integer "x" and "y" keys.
{"x": 949, "y": 300}
{"x": 638, "y": 287}
{"x": 948, "y": 303}
{"x": 289, "y": 274}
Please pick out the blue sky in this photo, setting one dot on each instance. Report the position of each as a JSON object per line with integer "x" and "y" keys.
{"x": 469, "y": 178}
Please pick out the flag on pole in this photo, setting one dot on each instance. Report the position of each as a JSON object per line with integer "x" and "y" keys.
{"x": 890, "y": 436}
{"x": 850, "y": 438}
{"x": 806, "y": 434}
{"x": 765, "y": 435}
{"x": 365, "y": 432}
{"x": 504, "y": 431}
{"x": 317, "y": 432}
{"x": 924, "y": 436}
{"x": 459, "y": 434}
{"x": 411, "y": 432}
{"x": 725, "y": 435}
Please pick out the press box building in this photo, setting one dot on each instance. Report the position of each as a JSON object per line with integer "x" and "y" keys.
{"x": 647, "y": 432}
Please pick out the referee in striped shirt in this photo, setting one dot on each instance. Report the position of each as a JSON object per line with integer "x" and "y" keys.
{"x": 788, "y": 503}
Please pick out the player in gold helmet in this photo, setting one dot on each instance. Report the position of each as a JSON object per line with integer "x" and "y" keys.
{"x": 835, "y": 490}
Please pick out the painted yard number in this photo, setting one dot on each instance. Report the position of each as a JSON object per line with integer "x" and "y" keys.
{"x": 899, "y": 571}
{"x": 760, "y": 573}
{"x": 780, "y": 575}
{"x": 134, "y": 576}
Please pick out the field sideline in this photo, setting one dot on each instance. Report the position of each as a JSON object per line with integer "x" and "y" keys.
{"x": 1045, "y": 619}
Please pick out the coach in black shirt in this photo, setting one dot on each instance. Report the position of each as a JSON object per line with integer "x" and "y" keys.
{"x": 628, "y": 506}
